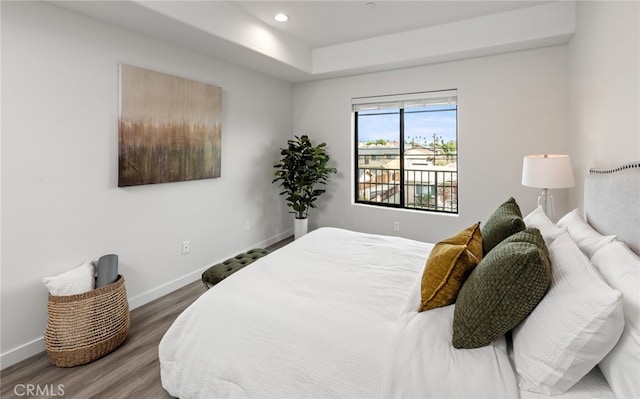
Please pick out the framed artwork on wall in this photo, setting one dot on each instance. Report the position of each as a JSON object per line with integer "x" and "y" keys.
{"x": 169, "y": 128}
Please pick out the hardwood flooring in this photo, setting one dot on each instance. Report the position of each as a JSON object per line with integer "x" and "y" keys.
{"x": 131, "y": 371}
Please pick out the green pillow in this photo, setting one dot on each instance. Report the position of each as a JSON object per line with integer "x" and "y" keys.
{"x": 531, "y": 235}
{"x": 505, "y": 221}
{"x": 501, "y": 291}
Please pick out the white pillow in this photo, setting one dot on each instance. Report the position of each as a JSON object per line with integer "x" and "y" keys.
{"x": 574, "y": 326}
{"x": 75, "y": 281}
{"x": 587, "y": 238}
{"x": 621, "y": 268}
{"x": 538, "y": 219}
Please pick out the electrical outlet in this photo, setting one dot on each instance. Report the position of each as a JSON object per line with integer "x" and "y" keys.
{"x": 186, "y": 247}
{"x": 396, "y": 226}
{"x": 247, "y": 225}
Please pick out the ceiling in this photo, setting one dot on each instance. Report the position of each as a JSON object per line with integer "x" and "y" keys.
{"x": 338, "y": 38}
{"x": 325, "y": 23}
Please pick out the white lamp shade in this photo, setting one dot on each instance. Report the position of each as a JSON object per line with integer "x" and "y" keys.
{"x": 547, "y": 171}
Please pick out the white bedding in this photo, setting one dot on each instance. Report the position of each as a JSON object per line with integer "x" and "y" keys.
{"x": 422, "y": 362}
{"x": 327, "y": 316}
{"x": 591, "y": 386}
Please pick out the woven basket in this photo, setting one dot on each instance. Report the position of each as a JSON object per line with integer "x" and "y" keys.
{"x": 82, "y": 328}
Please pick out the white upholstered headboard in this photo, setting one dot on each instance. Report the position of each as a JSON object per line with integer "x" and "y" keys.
{"x": 612, "y": 202}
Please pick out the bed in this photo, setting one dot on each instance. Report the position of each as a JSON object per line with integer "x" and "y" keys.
{"x": 336, "y": 313}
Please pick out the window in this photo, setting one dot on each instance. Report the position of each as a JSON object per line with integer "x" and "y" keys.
{"x": 406, "y": 151}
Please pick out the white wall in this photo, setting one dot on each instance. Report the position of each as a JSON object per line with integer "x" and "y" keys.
{"x": 604, "y": 88}
{"x": 60, "y": 200}
{"x": 508, "y": 106}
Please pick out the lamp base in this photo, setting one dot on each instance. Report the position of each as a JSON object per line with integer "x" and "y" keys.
{"x": 545, "y": 200}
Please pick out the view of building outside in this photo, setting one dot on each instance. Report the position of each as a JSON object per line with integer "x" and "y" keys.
{"x": 407, "y": 157}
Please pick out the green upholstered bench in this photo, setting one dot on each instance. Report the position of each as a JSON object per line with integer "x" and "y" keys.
{"x": 220, "y": 271}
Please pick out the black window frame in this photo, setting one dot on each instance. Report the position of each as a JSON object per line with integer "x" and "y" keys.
{"x": 454, "y": 209}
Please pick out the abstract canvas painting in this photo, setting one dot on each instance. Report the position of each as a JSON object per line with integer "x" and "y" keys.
{"x": 169, "y": 128}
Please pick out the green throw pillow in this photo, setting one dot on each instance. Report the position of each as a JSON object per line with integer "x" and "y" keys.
{"x": 531, "y": 235}
{"x": 501, "y": 291}
{"x": 505, "y": 221}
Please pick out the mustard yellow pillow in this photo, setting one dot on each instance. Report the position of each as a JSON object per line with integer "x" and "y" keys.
{"x": 471, "y": 237}
{"x": 448, "y": 266}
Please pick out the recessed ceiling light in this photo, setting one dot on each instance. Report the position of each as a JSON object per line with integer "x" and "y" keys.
{"x": 281, "y": 17}
{"x": 370, "y": 5}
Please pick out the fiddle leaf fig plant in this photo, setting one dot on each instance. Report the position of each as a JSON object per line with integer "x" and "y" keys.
{"x": 302, "y": 167}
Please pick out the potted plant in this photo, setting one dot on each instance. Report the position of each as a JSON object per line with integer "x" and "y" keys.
{"x": 301, "y": 168}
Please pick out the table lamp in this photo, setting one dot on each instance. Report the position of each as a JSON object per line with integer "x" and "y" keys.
{"x": 547, "y": 171}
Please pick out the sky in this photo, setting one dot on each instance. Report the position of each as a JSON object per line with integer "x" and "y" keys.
{"x": 418, "y": 126}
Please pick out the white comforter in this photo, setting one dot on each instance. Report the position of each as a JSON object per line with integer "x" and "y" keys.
{"x": 329, "y": 315}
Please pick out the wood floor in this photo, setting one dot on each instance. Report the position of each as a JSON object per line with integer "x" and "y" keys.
{"x": 131, "y": 371}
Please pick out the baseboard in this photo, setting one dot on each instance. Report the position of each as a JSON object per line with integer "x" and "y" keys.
{"x": 37, "y": 346}
{"x": 22, "y": 352}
